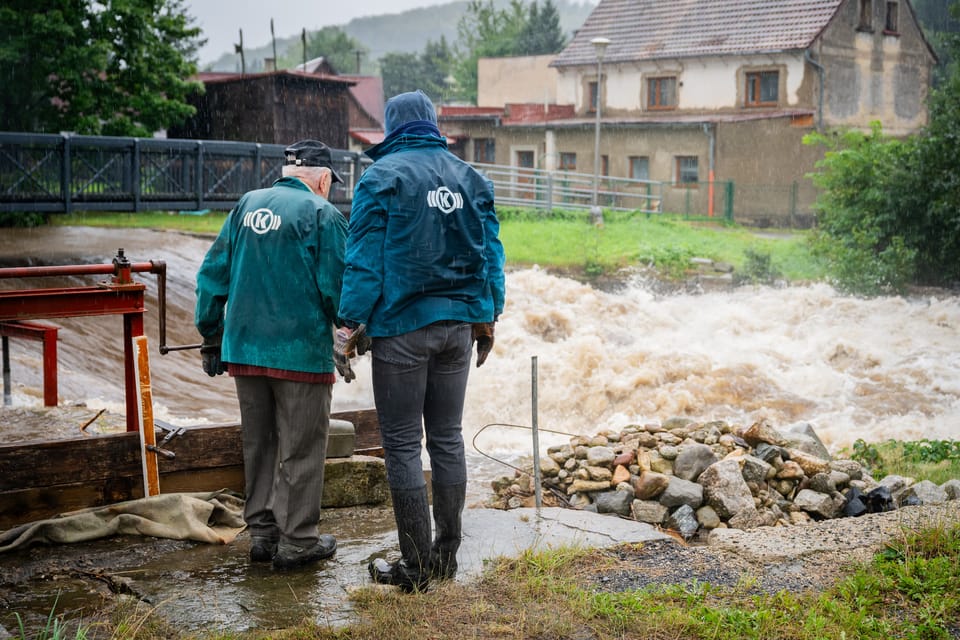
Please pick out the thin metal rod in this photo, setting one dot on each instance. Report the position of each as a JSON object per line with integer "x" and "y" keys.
{"x": 537, "y": 494}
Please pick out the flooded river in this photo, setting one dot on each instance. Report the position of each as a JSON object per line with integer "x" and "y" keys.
{"x": 873, "y": 369}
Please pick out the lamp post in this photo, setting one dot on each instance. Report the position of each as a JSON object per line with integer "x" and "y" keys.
{"x": 596, "y": 213}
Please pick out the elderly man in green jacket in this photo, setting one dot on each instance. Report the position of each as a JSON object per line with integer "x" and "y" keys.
{"x": 268, "y": 291}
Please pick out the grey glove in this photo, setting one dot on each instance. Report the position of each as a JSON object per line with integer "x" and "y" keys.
{"x": 341, "y": 359}
{"x": 210, "y": 356}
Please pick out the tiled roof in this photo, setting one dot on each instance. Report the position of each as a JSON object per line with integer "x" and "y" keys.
{"x": 654, "y": 29}
{"x": 536, "y": 113}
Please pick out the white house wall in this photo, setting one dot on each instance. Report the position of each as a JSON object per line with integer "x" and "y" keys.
{"x": 703, "y": 83}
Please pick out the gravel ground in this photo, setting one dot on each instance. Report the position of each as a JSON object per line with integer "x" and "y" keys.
{"x": 767, "y": 559}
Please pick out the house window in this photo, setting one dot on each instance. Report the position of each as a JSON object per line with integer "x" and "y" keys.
{"x": 762, "y": 88}
{"x": 568, "y": 161}
{"x": 484, "y": 150}
{"x": 640, "y": 167}
{"x": 662, "y": 93}
{"x": 688, "y": 174}
{"x": 866, "y": 16}
{"x": 594, "y": 96}
{"x": 604, "y": 165}
{"x": 890, "y": 25}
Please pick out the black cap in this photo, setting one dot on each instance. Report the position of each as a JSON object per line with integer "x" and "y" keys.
{"x": 311, "y": 153}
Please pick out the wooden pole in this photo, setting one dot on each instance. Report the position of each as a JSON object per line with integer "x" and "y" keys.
{"x": 148, "y": 436}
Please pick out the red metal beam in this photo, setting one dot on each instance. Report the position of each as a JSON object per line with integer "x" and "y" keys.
{"x": 71, "y": 302}
{"x": 47, "y": 335}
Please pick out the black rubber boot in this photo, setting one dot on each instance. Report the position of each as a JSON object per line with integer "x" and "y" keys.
{"x": 412, "y": 572}
{"x": 447, "y": 511}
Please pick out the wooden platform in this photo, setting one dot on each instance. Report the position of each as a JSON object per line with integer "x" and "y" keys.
{"x": 42, "y": 479}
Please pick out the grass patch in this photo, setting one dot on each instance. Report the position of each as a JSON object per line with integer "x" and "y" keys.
{"x": 933, "y": 460}
{"x": 906, "y": 591}
{"x": 567, "y": 241}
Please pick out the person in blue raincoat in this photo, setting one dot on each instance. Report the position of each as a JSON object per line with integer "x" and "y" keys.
{"x": 268, "y": 291}
{"x": 424, "y": 281}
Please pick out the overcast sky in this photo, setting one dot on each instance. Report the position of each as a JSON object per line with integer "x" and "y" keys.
{"x": 222, "y": 20}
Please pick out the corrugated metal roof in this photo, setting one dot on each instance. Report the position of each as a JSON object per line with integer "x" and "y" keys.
{"x": 655, "y": 29}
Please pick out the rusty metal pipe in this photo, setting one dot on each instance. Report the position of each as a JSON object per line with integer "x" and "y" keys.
{"x": 72, "y": 270}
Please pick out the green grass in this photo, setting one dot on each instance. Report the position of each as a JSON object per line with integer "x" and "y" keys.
{"x": 565, "y": 240}
{"x": 933, "y": 460}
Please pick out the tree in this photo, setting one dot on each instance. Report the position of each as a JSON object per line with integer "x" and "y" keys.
{"x": 111, "y": 68}
{"x": 542, "y": 34}
{"x": 517, "y": 30}
{"x": 332, "y": 43}
{"x": 428, "y": 71}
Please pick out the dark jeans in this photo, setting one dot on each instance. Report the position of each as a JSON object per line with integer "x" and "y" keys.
{"x": 419, "y": 382}
{"x": 285, "y": 427}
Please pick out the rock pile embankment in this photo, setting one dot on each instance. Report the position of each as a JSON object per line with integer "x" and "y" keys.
{"x": 695, "y": 477}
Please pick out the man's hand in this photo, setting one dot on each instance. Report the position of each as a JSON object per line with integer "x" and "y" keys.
{"x": 342, "y": 352}
{"x": 210, "y": 356}
{"x": 483, "y": 335}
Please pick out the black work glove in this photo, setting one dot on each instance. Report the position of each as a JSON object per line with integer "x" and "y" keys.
{"x": 483, "y": 335}
{"x": 210, "y": 356}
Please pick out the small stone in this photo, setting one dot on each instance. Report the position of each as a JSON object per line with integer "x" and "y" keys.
{"x": 650, "y": 484}
{"x": 600, "y": 456}
{"x": 761, "y": 431}
{"x": 620, "y": 474}
{"x": 648, "y": 511}
{"x": 707, "y": 517}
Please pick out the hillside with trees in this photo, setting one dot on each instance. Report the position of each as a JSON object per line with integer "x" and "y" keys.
{"x": 407, "y": 32}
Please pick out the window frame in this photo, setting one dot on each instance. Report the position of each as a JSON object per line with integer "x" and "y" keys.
{"x": 562, "y": 161}
{"x": 632, "y": 160}
{"x": 891, "y": 22}
{"x": 755, "y": 78}
{"x": 487, "y": 145}
{"x": 655, "y": 93}
{"x": 865, "y": 22}
{"x": 679, "y": 170}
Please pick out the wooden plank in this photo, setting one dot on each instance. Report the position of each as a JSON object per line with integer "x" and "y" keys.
{"x": 42, "y": 479}
{"x": 48, "y": 463}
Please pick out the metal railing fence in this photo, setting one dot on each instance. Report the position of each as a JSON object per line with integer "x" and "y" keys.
{"x": 52, "y": 173}
{"x": 541, "y": 189}
{"x": 66, "y": 173}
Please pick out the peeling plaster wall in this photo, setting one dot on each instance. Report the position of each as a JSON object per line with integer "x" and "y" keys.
{"x": 874, "y": 74}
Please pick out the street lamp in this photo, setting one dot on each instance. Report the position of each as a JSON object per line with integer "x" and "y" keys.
{"x": 596, "y": 213}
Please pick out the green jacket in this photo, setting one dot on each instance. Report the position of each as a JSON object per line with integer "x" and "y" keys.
{"x": 271, "y": 280}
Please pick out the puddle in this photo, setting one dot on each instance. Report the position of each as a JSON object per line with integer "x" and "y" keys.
{"x": 195, "y": 587}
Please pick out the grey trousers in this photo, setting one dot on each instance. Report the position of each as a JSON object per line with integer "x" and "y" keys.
{"x": 285, "y": 427}
{"x": 419, "y": 383}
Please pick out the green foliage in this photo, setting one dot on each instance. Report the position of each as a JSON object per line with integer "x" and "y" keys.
{"x": 332, "y": 43}
{"x": 116, "y": 68}
{"x": 54, "y": 629}
{"x": 18, "y": 219}
{"x": 429, "y": 71}
{"x": 858, "y": 236}
{"x": 933, "y": 460}
{"x": 485, "y": 31}
{"x": 758, "y": 268}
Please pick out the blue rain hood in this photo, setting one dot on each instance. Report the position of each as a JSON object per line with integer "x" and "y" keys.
{"x": 407, "y": 114}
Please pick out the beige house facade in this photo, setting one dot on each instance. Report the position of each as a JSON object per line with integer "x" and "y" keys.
{"x": 712, "y": 98}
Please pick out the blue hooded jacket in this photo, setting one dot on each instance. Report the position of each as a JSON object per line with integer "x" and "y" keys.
{"x": 423, "y": 240}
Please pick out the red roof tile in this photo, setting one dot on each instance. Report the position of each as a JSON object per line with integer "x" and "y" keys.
{"x": 653, "y": 29}
{"x": 368, "y": 92}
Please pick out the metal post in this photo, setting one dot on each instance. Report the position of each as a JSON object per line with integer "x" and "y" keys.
{"x": 538, "y": 501}
{"x": 596, "y": 213}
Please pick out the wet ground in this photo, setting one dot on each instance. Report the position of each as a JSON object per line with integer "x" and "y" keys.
{"x": 200, "y": 587}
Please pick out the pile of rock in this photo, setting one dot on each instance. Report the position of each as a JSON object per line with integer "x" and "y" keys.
{"x": 691, "y": 476}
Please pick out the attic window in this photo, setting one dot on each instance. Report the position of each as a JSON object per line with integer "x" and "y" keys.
{"x": 866, "y": 16}
{"x": 891, "y": 25}
{"x": 763, "y": 88}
